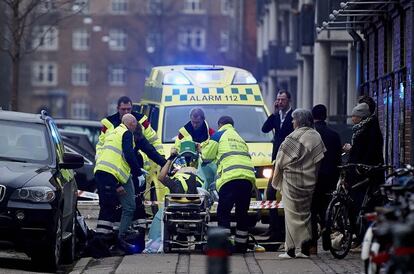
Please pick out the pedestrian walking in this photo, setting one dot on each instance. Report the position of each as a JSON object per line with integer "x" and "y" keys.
{"x": 235, "y": 178}
{"x": 114, "y": 165}
{"x": 280, "y": 121}
{"x": 295, "y": 174}
{"x": 328, "y": 174}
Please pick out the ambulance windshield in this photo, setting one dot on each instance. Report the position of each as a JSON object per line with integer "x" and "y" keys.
{"x": 248, "y": 120}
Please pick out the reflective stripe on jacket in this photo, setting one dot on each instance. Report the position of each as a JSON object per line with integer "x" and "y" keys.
{"x": 188, "y": 183}
{"x": 111, "y": 158}
{"x": 231, "y": 154}
{"x": 148, "y": 132}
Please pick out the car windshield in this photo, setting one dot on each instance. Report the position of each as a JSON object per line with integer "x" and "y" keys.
{"x": 24, "y": 142}
{"x": 248, "y": 120}
{"x": 92, "y": 132}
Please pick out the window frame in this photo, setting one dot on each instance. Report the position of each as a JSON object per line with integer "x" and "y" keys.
{"x": 45, "y": 38}
{"x": 81, "y": 39}
{"x": 119, "y": 37}
{"x": 46, "y": 73}
{"x": 80, "y": 74}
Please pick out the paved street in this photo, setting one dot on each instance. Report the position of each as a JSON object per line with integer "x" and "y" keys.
{"x": 267, "y": 262}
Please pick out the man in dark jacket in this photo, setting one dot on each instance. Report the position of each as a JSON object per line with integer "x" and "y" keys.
{"x": 328, "y": 172}
{"x": 281, "y": 122}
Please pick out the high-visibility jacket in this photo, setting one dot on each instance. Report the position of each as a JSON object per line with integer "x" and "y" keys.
{"x": 231, "y": 154}
{"x": 185, "y": 135}
{"x": 187, "y": 181}
{"x": 111, "y": 158}
{"x": 111, "y": 122}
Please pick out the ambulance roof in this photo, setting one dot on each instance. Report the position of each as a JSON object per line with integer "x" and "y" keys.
{"x": 202, "y": 84}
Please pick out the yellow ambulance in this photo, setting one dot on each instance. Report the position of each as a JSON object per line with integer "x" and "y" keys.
{"x": 172, "y": 91}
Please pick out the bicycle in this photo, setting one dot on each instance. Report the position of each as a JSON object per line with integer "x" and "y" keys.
{"x": 338, "y": 233}
{"x": 387, "y": 244}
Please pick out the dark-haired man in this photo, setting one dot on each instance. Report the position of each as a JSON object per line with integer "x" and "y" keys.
{"x": 281, "y": 122}
{"x": 124, "y": 106}
{"x": 328, "y": 171}
{"x": 196, "y": 130}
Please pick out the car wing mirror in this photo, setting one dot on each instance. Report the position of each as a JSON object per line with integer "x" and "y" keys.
{"x": 71, "y": 161}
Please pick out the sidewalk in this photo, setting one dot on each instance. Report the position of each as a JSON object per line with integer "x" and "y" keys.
{"x": 267, "y": 262}
{"x": 256, "y": 263}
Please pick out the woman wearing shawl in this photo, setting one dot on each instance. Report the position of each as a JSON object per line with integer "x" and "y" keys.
{"x": 295, "y": 174}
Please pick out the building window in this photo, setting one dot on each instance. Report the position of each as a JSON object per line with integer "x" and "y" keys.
{"x": 80, "y": 39}
{"x": 226, "y": 7}
{"x": 80, "y": 74}
{"x": 155, "y": 7}
{"x": 192, "y": 39}
{"x": 119, "y": 6}
{"x": 117, "y": 75}
{"x": 153, "y": 42}
{"x": 117, "y": 39}
{"x": 80, "y": 109}
{"x": 44, "y": 74}
{"x": 224, "y": 41}
{"x": 45, "y": 38}
{"x": 193, "y": 6}
{"x": 81, "y": 6}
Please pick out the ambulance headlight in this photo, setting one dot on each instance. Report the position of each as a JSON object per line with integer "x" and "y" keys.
{"x": 267, "y": 173}
{"x": 175, "y": 78}
{"x": 244, "y": 78}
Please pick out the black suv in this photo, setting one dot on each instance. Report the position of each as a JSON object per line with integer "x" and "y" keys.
{"x": 38, "y": 192}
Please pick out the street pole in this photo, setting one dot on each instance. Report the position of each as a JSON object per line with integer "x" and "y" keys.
{"x": 217, "y": 251}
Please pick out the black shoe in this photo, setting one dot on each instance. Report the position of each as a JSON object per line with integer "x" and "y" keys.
{"x": 125, "y": 246}
{"x": 305, "y": 248}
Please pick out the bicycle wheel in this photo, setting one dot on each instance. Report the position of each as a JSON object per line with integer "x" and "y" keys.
{"x": 339, "y": 228}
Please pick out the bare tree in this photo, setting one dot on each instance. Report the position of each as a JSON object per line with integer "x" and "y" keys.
{"x": 20, "y": 18}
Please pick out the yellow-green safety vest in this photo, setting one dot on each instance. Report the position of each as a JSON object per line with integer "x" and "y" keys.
{"x": 231, "y": 154}
{"x": 111, "y": 158}
{"x": 148, "y": 132}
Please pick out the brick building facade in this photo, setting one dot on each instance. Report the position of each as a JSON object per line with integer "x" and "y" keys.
{"x": 108, "y": 49}
{"x": 384, "y": 33}
{"x": 387, "y": 77}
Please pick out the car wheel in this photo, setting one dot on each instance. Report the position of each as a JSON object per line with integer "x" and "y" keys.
{"x": 49, "y": 257}
{"x": 69, "y": 246}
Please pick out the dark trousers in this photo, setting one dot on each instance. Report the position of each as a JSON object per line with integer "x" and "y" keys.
{"x": 277, "y": 223}
{"x": 320, "y": 202}
{"x": 108, "y": 200}
{"x": 235, "y": 193}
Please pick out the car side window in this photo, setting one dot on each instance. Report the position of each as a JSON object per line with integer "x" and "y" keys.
{"x": 57, "y": 140}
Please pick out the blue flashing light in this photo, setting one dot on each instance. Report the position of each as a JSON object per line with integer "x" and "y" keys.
{"x": 175, "y": 78}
